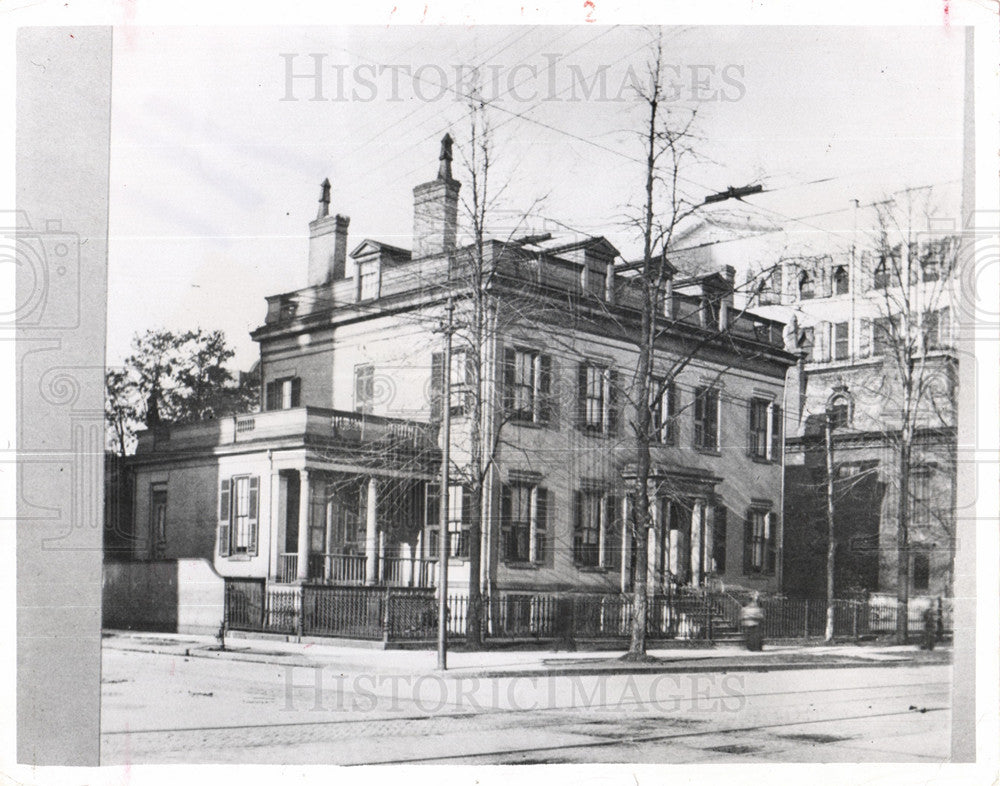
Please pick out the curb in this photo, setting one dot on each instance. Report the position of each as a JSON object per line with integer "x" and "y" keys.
{"x": 705, "y": 665}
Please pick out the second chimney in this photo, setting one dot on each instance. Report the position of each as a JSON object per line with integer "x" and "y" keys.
{"x": 435, "y": 209}
{"x": 327, "y": 243}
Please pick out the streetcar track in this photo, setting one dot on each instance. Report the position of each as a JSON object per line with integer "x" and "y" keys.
{"x": 638, "y": 740}
{"x": 498, "y": 711}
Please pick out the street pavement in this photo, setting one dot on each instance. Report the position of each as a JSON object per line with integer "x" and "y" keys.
{"x": 178, "y": 699}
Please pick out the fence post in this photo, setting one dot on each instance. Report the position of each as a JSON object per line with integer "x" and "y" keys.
{"x": 386, "y": 612}
{"x": 708, "y": 616}
{"x": 807, "y": 618}
{"x": 301, "y": 616}
{"x": 854, "y": 619}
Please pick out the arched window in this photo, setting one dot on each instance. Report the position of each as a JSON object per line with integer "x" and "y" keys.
{"x": 840, "y": 280}
{"x": 840, "y": 409}
{"x": 806, "y": 287}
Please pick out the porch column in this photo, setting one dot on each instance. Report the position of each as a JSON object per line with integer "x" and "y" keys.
{"x": 626, "y": 543}
{"x": 371, "y": 533}
{"x": 302, "y": 569}
{"x": 406, "y": 557}
{"x": 697, "y": 514}
{"x": 709, "y": 547}
{"x": 276, "y": 538}
{"x": 382, "y": 577}
{"x": 675, "y": 551}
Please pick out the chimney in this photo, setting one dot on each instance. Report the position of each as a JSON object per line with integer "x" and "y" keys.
{"x": 327, "y": 243}
{"x": 435, "y": 209}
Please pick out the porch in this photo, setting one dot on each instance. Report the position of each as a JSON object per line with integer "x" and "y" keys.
{"x": 352, "y": 570}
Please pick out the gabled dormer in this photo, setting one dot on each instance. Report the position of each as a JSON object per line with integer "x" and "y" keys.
{"x": 371, "y": 259}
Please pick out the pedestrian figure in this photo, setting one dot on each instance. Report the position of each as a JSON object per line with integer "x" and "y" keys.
{"x": 930, "y": 629}
{"x": 752, "y": 618}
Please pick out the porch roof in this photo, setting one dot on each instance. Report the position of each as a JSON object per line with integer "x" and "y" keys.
{"x": 335, "y": 437}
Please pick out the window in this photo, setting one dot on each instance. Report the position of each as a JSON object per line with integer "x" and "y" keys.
{"x": 937, "y": 328}
{"x": 841, "y": 341}
{"x": 364, "y": 388}
{"x": 528, "y": 385}
{"x": 593, "y": 281}
{"x": 839, "y": 412}
{"x": 841, "y": 280}
{"x": 807, "y": 290}
{"x": 758, "y": 543}
{"x": 368, "y": 280}
{"x": 524, "y": 523}
{"x": 664, "y": 411}
{"x": 238, "y": 497}
{"x": 765, "y": 429}
{"x": 883, "y": 331}
{"x": 930, "y": 264}
{"x": 719, "y": 535}
{"x": 597, "y": 529}
{"x": 285, "y": 393}
{"x": 880, "y": 278}
{"x": 597, "y": 399}
{"x": 921, "y": 571}
{"x": 920, "y": 496}
{"x": 706, "y": 418}
{"x": 459, "y": 507}
{"x": 158, "y": 520}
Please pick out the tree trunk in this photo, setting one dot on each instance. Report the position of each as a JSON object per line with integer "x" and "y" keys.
{"x": 902, "y": 538}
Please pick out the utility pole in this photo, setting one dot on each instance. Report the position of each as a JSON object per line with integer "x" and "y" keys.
{"x": 831, "y": 546}
{"x": 443, "y": 534}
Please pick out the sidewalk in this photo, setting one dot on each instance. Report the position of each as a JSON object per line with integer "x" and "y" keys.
{"x": 524, "y": 663}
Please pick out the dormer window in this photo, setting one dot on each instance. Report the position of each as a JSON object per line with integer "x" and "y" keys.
{"x": 807, "y": 289}
{"x": 841, "y": 280}
{"x": 368, "y": 280}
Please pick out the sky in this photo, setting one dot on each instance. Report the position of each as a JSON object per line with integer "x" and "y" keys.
{"x": 216, "y": 159}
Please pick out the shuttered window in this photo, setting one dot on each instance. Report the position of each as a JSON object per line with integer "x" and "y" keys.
{"x": 238, "y": 515}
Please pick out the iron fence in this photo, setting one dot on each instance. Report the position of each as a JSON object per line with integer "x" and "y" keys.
{"x": 411, "y": 614}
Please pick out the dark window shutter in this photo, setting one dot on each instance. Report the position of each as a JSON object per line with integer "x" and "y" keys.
{"x": 581, "y": 398}
{"x": 747, "y": 545}
{"x": 672, "y": 409}
{"x": 437, "y": 384}
{"x": 505, "y": 521}
{"x": 546, "y": 542}
{"x": 751, "y": 425}
{"x": 252, "y": 518}
{"x": 613, "y": 533}
{"x": 577, "y": 524}
{"x": 545, "y": 402}
{"x": 224, "y": 486}
{"x": 777, "y": 423}
{"x": 271, "y": 396}
{"x": 296, "y": 392}
{"x": 509, "y": 359}
{"x": 719, "y": 526}
{"x": 699, "y": 417}
{"x": 613, "y": 398}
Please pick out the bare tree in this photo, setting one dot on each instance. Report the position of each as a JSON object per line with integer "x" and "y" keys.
{"x": 669, "y": 140}
{"x": 912, "y": 274}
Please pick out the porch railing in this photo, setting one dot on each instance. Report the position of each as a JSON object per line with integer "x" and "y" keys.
{"x": 288, "y": 568}
{"x": 350, "y": 570}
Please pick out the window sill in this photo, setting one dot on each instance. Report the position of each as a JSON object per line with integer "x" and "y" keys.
{"x": 708, "y": 451}
{"x": 761, "y": 460}
{"x": 521, "y": 565}
{"x": 536, "y": 424}
{"x": 595, "y": 568}
{"x": 239, "y": 557}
